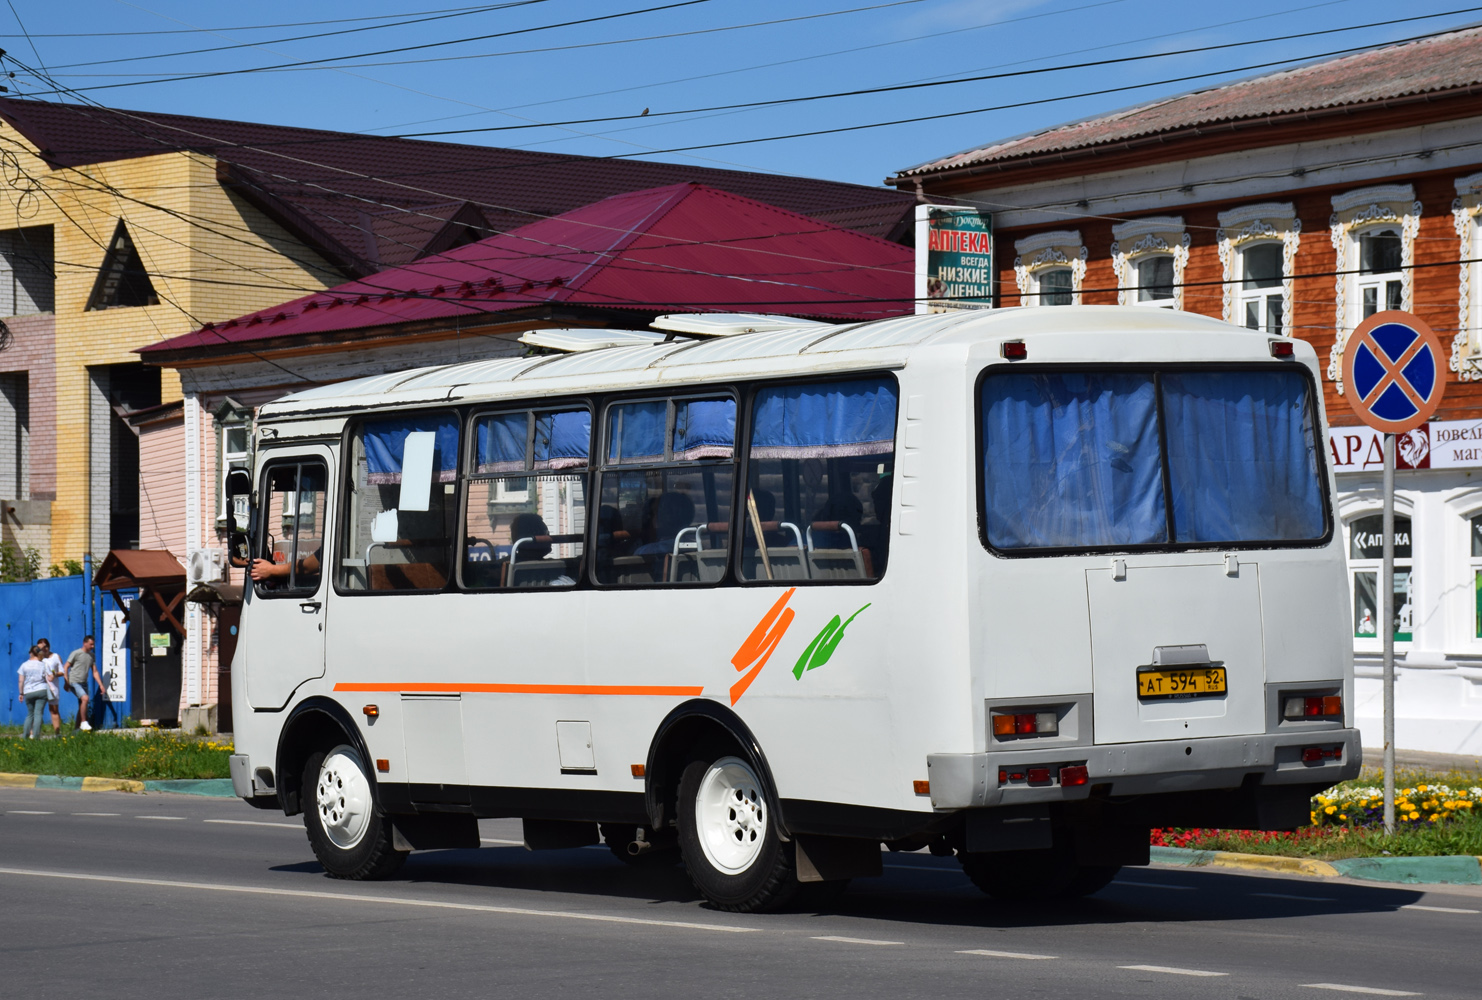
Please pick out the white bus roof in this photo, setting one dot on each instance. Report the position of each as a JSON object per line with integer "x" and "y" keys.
{"x": 821, "y": 348}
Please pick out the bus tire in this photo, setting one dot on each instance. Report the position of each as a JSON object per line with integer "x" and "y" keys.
{"x": 351, "y": 837}
{"x": 729, "y": 840}
{"x": 1043, "y": 874}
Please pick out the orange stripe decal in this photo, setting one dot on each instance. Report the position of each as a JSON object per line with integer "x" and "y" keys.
{"x": 759, "y": 645}
{"x": 609, "y": 689}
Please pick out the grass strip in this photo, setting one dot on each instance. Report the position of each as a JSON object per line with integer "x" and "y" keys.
{"x": 107, "y": 755}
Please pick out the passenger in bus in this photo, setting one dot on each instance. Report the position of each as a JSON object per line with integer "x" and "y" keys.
{"x": 837, "y": 512}
{"x": 672, "y": 514}
{"x": 532, "y": 544}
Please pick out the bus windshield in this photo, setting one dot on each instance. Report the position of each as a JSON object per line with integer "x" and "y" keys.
{"x": 1119, "y": 458}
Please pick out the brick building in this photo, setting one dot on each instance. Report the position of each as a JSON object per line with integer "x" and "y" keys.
{"x": 1297, "y": 202}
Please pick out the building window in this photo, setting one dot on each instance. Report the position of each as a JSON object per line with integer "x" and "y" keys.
{"x": 1049, "y": 268}
{"x": 1261, "y": 303}
{"x": 1373, "y": 232}
{"x": 1365, "y": 563}
{"x": 1149, "y": 257}
{"x": 233, "y": 428}
{"x": 1155, "y": 281}
{"x": 123, "y": 280}
{"x": 1381, "y": 277}
{"x": 27, "y": 271}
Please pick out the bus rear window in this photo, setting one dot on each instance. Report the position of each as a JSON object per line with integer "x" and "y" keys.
{"x": 1123, "y": 459}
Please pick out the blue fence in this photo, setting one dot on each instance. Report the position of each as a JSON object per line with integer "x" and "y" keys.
{"x": 62, "y": 610}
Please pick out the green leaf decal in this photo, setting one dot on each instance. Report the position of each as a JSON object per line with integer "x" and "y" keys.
{"x": 823, "y": 645}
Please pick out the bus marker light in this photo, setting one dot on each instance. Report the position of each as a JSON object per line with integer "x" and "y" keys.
{"x": 1332, "y": 705}
{"x": 1015, "y": 350}
{"x": 1283, "y": 349}
{"x": 383, "y": 765}
{"x": 1073, "y": 775}
{"x": 371, "y": 711}
{"x": 921, "y": 787}
{"x": 1039, "y": 775}
{"x": 637, "y": 769}
{"x": 1003, "y": 725}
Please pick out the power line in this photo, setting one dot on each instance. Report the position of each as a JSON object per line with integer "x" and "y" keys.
{"x": 407, "y": 48}
{"x": 250, "y": 27}
{"x": 299, "y": 38}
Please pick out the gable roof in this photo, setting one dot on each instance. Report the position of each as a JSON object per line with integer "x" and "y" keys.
{"x": 680, "y": 248}
{"x": 1442, "y": 63}
{"x": 371, "y": 201}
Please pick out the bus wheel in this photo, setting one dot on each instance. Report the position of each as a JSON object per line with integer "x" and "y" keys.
{"x": 1045, "y": 874}
{"x": 350, "y": 836}
{"x": 729, "y": 840}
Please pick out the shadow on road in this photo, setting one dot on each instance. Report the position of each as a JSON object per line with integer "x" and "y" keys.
{"x": 916, "y": 889}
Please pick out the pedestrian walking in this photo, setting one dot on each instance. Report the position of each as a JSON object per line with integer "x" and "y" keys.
{"x": 78, "y": 666}
{"x": 53, "y": 665}
{"x": 32, "y": 680}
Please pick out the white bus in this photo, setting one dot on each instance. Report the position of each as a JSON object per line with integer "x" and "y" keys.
{"x": 1015, "y": 586}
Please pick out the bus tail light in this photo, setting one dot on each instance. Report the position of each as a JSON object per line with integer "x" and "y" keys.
{"x": 1026, "y": 724}
{"x": 1316, "y": 755}
{"x": 1283, "y": 349}
{"x": 1074, "y": 775}
{"x": 1015, "y": 350}
{"x": 1313, "y": 707}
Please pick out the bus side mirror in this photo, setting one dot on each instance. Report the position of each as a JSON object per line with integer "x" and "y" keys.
{"x": 238, "y": 484}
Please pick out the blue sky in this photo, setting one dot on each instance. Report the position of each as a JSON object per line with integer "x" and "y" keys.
{"x": 698, "y": 55}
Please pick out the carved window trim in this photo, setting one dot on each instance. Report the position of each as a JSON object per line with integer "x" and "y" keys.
{"x": 1466, "y": 346}
{"x": 1142, "y": 238}
{"x": 1239, "y": 227}
{"x": 1045, "y": 252}
{"x": 1353, "y": 213}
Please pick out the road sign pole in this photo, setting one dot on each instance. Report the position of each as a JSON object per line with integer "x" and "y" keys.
{"x": 1387, "y": 624}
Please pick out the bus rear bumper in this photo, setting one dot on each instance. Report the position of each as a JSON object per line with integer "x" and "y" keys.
{"x": 975, "y": 780}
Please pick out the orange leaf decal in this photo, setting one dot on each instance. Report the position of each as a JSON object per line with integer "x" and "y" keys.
{"x": 758, "y": 647}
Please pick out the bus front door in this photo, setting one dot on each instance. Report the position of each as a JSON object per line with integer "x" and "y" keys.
{"x": 283, "y": 626}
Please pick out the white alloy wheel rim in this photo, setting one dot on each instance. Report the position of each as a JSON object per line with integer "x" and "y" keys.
{"x": 343, "y": 799}
{"x": 731, "y": 816}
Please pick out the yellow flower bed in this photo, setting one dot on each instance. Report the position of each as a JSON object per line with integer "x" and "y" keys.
{"x": 1364, "y": 806}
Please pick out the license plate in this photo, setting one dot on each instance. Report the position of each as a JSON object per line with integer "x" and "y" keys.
{"x": 1185, "y": 683}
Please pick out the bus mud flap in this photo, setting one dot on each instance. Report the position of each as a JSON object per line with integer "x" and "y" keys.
{"x": 827, "y": 859}
{"x": 434, "y": 832}
{"x": 1013, "y": 828}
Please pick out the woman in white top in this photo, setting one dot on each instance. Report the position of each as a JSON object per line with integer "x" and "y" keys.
{"x": 32, "y": 678}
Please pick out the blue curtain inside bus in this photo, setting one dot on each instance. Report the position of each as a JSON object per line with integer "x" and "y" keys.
{"x": 562, "y": 439}
{"x": 385, "y": 440}
{"x": 834, "y": 420}
{"x": 1071, "y": 460}
{"x": 635, "y": 432}
{"x": 1242, "y": 457}
{"x": 500, "y": 442}
{"x": 704, "y": 428}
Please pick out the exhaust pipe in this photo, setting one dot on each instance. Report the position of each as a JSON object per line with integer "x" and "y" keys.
{"x": 638, "y": 845}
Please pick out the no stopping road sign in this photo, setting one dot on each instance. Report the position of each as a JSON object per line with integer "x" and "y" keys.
{"x": 1394, "y": 371}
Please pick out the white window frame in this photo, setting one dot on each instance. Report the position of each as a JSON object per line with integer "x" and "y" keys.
{"x": 1135, "y": 292}
{"x": 1356, "y": 213}
{"x": 1466, "y": 346}
{"x": 1142, "y": 238}
{"x": 1251, "y": 224}
{"x": 1045, "y": 252}
{"x": 1375, "y": 643}
{"x": 1262, "y": 297}
{"x": 229, "y": 416}
{"x": 1382, "y": 283}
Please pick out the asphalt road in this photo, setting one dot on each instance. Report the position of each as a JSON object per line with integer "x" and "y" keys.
{"x": 166, "y": 896}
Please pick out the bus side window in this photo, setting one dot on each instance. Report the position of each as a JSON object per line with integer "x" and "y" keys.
{"x": 527, "y": 500}
{"x": 292, "y": 534}
{"x": 402, "y": 510}
{"x": 820, "y": 478}
{"x": 664, "y": 511}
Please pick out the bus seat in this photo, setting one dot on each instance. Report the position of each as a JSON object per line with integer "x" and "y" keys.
{"x": 632, "y": 569}
{"x": 838, "y": 563}
{"x": 537, "y": 572}
{"x": 406, "y": 576}
{"x": 787, "y": 564}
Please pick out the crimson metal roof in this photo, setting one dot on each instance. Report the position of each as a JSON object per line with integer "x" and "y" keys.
{"x": 1443, "y": 62}
{"x": 680, "y": 248}
{"x": 372, "y": 201}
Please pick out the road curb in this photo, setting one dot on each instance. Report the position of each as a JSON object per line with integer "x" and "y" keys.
{"x": 1456, "y": 869}
{"x": 214, "y": 787}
